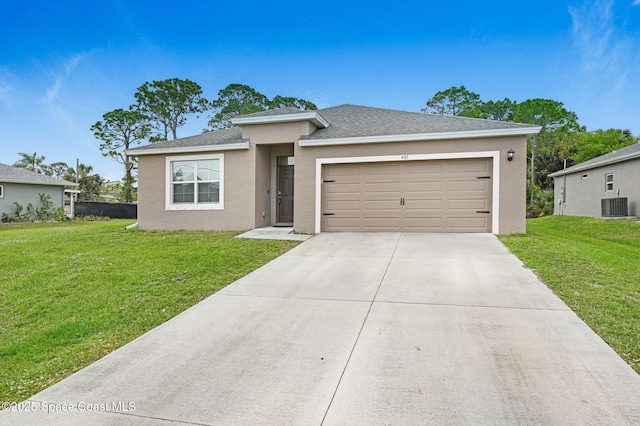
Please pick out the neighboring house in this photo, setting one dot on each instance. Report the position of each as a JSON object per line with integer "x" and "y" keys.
{"x": 345, "y": 168}
{"x": 24, "y": 186}
{"x": 613, "y": 177}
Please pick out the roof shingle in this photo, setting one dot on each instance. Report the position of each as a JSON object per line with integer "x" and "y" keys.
{"x": 19, "y": 175}
{"x": 628, "y": 152}
{"x": 347, "y": 121}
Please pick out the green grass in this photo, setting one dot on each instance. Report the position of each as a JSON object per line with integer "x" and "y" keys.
{"x": 72, "y": 292}
{"x": 593, "y": 265}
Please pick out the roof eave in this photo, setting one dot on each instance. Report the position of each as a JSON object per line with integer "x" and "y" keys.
{"x": 187, "y": 149}
{"x": 580, "y": 168}
{"x": 33, "y": 182}
{"x": 312, "y": 116}
{"x": 524, "y": 131}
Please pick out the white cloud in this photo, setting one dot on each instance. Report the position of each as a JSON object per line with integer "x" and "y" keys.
{"x": 604, "y": 66}
{"x": 52, "y": 93}
{"x": 636, "y": 2}
{"x": 592, "y": 30}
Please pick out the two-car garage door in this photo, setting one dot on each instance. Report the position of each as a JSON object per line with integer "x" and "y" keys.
{"x": 434, "y": 195}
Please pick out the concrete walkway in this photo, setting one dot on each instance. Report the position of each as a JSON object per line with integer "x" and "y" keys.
{"x": 274, "y": 233}
{"x": 367, "y": 328}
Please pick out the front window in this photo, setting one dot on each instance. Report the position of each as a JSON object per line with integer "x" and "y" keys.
{"x": 1, "y": 191}
{"x": 608, "y": 179}
{"x": 195, "y": 182}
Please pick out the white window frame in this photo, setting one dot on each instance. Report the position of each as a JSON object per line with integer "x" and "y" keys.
{"x": 169, "y": 205}
{"x": 607, "y": 183}
{"x": 1, "y": 191}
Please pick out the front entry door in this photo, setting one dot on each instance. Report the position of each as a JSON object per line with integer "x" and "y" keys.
{"x": 284, "y": 200}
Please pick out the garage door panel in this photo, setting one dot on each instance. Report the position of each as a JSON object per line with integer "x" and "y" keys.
{"x": 467, "y": 223}
{"x": 424, "y": 186}
{"x": 386, "y": 187}
{"x": 423, "y": 168}
{"x": 437, "y": 195}
{"x": 469, "y": 166}
{"x": 382, "y": 169}
{"x": 468, "y": 205}
{"x": 385, "y": 205}
{"x": 468, "y": 185}
{"x": 345, "y": 170}
{"x": 343, "y": 188}
{"x": 352, "y": 205}
{"x": 423, "y": 223}
{"x": 426, "y": 205}
{"x": 382, "y": 223}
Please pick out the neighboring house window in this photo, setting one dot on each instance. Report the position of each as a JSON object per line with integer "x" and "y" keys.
{"x": 195, "y": 182}
{"x": 608, "y": 179}
{"x": 1, "y": 191}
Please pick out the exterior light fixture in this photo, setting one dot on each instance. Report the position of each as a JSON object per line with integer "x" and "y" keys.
{"x": 510, "y": 154}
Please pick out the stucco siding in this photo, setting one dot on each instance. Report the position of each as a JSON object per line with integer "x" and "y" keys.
{"x": 512, "y": 173}
{"x": 582, "y": 194}
{"x": 239, "y": 199}
{"x": 28, "y": 193}
{"x": 276, "y": 133}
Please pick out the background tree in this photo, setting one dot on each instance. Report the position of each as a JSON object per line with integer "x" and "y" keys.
{"x": 240, "y": 99}
{"x": 90, "y": 184}
{"x": 57, "y": 170}
{"x": 598, "y": 142}
{"x": 503, "y": 110}
{"x": 234, "y": 100}
{"x": 295, "y": 103}
{"x": 557, "y": 124}
{"x": 167, "y": 103}
{"x": 120, "y": 130}
{"x": 453, "y": 101}
{"x": 32, "y": 162}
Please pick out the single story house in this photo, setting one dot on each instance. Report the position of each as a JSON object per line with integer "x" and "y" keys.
{"x": 607, "y": 186}
{"x": 344, "y": 168}
{"x": 23, "y": 186}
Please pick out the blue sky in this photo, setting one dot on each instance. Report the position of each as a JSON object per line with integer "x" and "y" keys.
{"x": 64, "y": 64}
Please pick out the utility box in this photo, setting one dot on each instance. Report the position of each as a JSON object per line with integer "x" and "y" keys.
{"x": 614, "y": 207}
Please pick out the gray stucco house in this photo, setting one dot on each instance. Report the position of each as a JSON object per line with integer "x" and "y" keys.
{"x": 24, "y": 187}
{"x": 605, "y": 186}
{"x": 344, "y": 168}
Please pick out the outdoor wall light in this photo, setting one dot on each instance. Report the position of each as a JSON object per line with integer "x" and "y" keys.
{"x": 510, "y": 154}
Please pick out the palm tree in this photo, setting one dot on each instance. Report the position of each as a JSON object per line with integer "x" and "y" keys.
{"x": 30, "y": 162}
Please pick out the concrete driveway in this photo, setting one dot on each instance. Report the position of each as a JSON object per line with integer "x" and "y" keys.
{"x": 361, "y": 328}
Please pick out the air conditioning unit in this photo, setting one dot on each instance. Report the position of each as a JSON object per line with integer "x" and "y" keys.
{"x": 614, "y": 207}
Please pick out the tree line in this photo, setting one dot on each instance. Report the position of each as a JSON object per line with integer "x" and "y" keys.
{"x": 562, "y": 141}
{"x": 91, "y": 184}
{"x": 162, "y": 107}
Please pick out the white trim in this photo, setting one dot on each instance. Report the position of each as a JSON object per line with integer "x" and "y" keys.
{"x": 495, "y": 197}
{"x": 187, "y": 149}
{"x": 1, "y": 191}
{"x": 168, "y": 205}
{"x": 422, "y": 136}
{"x": 579, "y": 168}
{"x": 312, "y": 116}
{"x": 32, "y": 182}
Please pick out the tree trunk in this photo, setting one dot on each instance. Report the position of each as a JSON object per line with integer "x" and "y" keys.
{"x": 128, "y": 198}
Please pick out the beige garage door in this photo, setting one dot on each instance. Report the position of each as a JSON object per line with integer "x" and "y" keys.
{"x": 434, "y": 195}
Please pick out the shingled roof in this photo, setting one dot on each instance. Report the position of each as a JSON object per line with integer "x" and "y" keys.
{"x": 217, "y": 138}
{"x": 348, "y": 124}
{"x": 19, "y": 175}
{"x": 349, "y": 121}
{"x": 617, "y": 156}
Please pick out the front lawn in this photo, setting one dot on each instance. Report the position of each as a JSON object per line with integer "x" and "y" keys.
{"x": 72, "y": 292}
{"x": 593, "y": 265}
